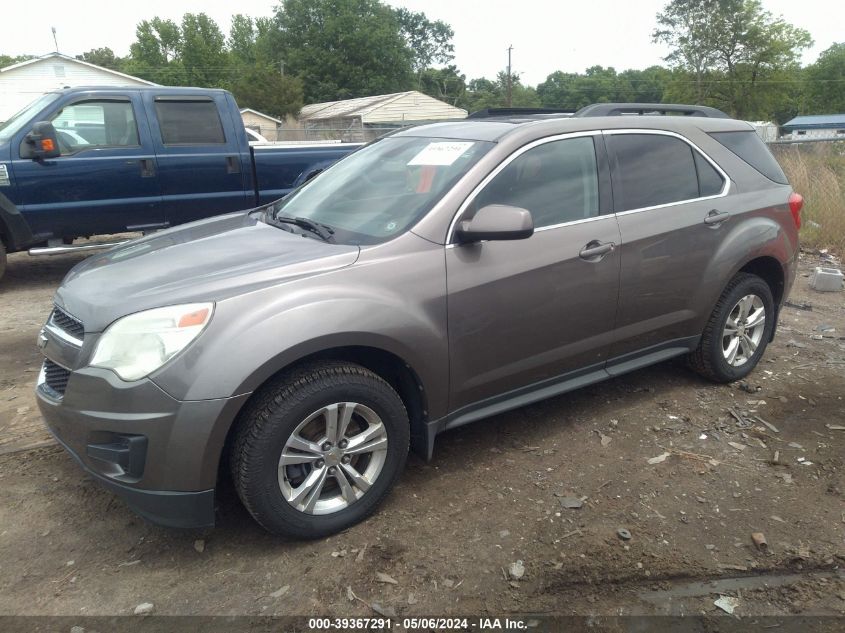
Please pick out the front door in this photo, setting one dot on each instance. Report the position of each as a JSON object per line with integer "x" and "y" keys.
{"x": 105, "y": 180}
{"x": 526, "y": 311}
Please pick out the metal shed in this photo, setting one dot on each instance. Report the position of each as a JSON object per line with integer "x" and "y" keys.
{"x": 816, "y": 126}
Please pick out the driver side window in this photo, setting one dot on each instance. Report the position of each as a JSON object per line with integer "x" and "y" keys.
{"x": 556, "y": 181}
{"x": 91, "y": 124}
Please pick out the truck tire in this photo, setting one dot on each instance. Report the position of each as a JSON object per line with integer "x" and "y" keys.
{"x": 318, "y": 449}
{"x": 737, "y": 332}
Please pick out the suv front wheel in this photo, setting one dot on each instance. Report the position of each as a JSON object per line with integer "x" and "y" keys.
{"x": 317, "y": 450}
{"x": 738, "y": 331}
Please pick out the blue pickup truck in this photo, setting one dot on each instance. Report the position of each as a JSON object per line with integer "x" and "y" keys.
{"x": 96, "y": 161}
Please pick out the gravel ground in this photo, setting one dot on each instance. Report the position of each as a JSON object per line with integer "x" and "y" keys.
{"x": 484, "y": 527}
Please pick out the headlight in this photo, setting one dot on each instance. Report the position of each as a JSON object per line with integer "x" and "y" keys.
{"x": 138, "y": 344}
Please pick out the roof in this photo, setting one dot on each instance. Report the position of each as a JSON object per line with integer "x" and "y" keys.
{"x": 261, "y": 114}
{"x": 495, "y": 129}
{"x": 68, "y": 58}
{"x": 364, "y": 106}
{"x": 816, "y": 121}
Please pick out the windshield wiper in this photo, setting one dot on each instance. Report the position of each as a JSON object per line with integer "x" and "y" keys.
{"x": 323, "y": 231}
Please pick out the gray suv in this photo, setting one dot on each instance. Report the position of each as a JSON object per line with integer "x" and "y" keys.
{"x": 438, "y": 276}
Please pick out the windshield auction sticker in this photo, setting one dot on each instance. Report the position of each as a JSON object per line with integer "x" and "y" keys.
{"x": 440, "y": 153}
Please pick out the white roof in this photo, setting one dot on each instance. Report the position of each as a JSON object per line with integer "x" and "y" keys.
{"x": 400, "y": 106}
{"x": 261, "y": 114}
{"x": 68, "y": 58}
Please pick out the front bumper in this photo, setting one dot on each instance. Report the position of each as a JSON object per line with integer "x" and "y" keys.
{"x": 158, "y": 453}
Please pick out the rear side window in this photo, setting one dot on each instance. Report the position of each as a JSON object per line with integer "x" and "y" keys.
{"x": 750, "y": 148}
{"x": 710, "y": 182}
{"x": 652, "y": 169}
{"x": 189, "y": 123}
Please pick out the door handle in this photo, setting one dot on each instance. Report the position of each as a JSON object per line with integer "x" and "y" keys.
{"x": 148, "y": 168}
{"x": 233, "y": 165}
{"x": 596, "y": 249}
{"x": 714, "y": 218}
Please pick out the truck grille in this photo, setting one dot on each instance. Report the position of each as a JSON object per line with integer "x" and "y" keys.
{"x": 68, "y": 324}
{"x": 55, "y": 377}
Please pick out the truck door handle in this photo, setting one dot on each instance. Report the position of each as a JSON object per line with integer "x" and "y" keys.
{"x": 148, "y": 168}
{"x": 714, "y": 218}
{"x": 233, "y": 165}
{"x": 595, "y": 250}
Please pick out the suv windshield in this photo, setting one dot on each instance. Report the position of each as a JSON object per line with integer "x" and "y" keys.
{"x": 381, "y": 190}
{"x": 11, "y": 127}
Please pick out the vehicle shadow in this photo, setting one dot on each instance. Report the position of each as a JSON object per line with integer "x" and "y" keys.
{"x": 24, "y": 272}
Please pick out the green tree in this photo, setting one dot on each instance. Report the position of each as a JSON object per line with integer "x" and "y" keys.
{"x": 484, "y": 93}
{"x": 430, "y": 42}
{"x": 342, "y": 48}
{"x": 155, "y": 53}
{"x": 9, "y": 60}
{"x": 734, "y": 51}
{"x": 104, "y": 57}
{"x": 202, "y": 51}
{"x": 825, "y": 81}
{"x": 447, "y": 84}
{"x": 265, "y": 89}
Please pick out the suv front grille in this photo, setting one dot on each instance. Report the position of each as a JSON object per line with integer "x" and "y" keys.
{"x": 55, "y": 376}
{"x": 68, "y": 324}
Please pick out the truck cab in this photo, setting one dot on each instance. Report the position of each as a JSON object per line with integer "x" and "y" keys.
{"x": 122, "y": 160}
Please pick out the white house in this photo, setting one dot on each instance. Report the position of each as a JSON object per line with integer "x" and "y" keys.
{"x": 23, "y": 82}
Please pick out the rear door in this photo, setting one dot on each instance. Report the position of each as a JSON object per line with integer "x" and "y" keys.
{"x": 105, "y": 180}
{"x": 669, "y": 199}
{"x": 526, "y": 311}
{"x": 201, "y": 167}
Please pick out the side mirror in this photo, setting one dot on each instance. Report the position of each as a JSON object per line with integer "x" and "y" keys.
{"x": 496, "y": 222}
{"x": 42, "y": 142}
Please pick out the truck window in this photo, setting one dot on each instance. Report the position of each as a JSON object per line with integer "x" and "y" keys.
{"x": 189, "y": 122}
{"x": 93, "y": 124}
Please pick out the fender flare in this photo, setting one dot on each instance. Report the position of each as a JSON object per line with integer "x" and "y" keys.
{"x": 14, "y": 229}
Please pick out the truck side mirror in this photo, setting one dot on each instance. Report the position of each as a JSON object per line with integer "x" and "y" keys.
{"x": 42, "y": 142}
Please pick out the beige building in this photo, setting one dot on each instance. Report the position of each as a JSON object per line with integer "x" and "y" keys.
{"x": 366, "y": 118}
{"x": 264, "y": 124}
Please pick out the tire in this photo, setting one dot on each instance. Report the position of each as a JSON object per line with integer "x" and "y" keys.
{"x": 267, "y": 426}
{"x": 2, "y": 259}
{"x": 711, "y": 358}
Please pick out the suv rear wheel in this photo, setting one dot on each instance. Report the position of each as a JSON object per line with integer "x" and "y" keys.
{"x": 318, "y": 449}
{"x": 738, "y": 331}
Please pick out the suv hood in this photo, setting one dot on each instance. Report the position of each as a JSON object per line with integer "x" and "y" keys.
{"x": 208, "y": 260}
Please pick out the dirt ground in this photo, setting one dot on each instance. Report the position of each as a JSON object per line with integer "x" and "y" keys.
{"x": 483, "y": 528}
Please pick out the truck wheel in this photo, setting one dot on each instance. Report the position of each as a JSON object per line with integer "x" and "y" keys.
{"x": 2, "y": 259}
{"x": 738, "y": 331}
{"x": 318, "y": 449}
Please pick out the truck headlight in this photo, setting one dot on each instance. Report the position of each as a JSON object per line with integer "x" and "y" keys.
{"x": 138, "y": 344}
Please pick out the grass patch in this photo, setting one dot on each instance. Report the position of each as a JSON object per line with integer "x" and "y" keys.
{"x": 817, "y": 172}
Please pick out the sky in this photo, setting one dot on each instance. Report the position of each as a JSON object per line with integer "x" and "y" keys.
{"x": 546, "y": 35}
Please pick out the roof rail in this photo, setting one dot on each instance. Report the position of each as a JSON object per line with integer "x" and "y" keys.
{"x": 641, "y": 109}
{"x": 505, "y": 112}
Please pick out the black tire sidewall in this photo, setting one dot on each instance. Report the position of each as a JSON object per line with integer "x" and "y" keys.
{"x": 749, "y": 286}
{"x": 272, "y": 509}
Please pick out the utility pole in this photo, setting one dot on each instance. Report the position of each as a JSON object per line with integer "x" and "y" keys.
{"x": 55, "y": 41}
{"x": 510, "y": 87}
